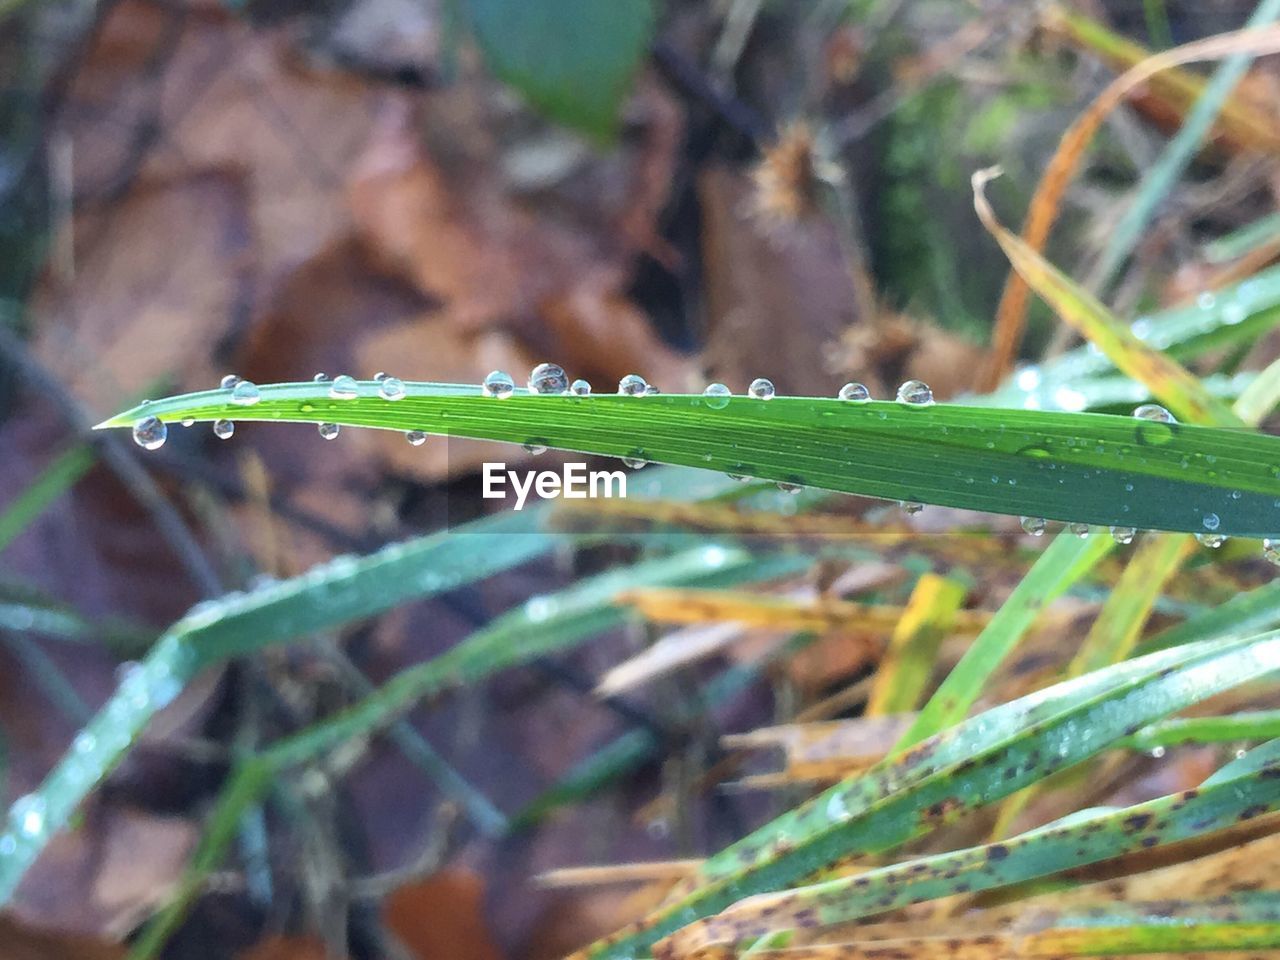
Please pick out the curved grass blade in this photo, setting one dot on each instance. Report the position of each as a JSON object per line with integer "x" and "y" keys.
{"x": 540, "y": 626}
{"x": 973, "y": 764}
{"x": 1249, "y": 725}
{"x": 326, "y": 597}
{"x": 1088, "y": 468}
{"x": 1242, "y": 790}
{"x": 53, "y": 481}
{"x": 1246, "y": 613}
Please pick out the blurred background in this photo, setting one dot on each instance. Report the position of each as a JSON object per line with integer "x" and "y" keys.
{"x": 691, "y": 191}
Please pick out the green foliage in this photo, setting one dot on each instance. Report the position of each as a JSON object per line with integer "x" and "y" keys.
{"x": 572, "y": 59}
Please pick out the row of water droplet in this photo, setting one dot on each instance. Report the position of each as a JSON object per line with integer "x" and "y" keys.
{"x": 549, "y": 379}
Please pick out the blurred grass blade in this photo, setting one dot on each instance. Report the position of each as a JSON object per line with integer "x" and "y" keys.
{"x": 1085, "y": 467}
{"x": 1159, "y": 178}
{"x": 58, "y": 477}
{"x": 1168, "y": 381}
{"x": 1242, "y": 790}
{"x": 540, "y": 626}
{"x": 1045, "y": 204}
{"x": 908, "y": 662}
{"x": 1244, "y": 614}
{"x": 971, "y": 765}
{"x": 1062, "y": 564}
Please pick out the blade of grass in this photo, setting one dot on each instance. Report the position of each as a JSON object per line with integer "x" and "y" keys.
{"x": 1159, "y": 179}
{"x": 1249, "y": 725}
{"x": 1241, "y": 790}
{"x": 1083, "y": 467}
{"x": 542, "y": 625}
{"x": 908, "y": 662}
{"x": 1045, "y": 204}
{"x": 973, "y": 764}
{"x": 58, "y": 477}
{"x": 1246, "y": 613}
{"x": 1172, "y": 384}
{"x": 1062, "y": 564}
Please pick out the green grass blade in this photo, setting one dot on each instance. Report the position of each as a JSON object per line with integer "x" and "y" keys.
{"x": 1088, "y": 468}
{"x": 1063, "y": 563}
{"x": 1239, "y": 791}
{"x": 53, "y": 481}
{"x": 1249, "y": 725}
{"x": 976, "y": 763}
{"x": 1244, "y": 614}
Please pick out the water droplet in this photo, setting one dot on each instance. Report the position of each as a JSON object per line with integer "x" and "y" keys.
{"x": 344, "y": 388}
{"x": 1123, "y": 535}
{"x": 498, "y": 385}
{"x": 915, "y": 393}
{"x": 1081, "y": 530}
{"x": 188, "y": 421}
{"x": 535, "y": 448}
{"x": 229, "y": 381}
{"x": 1271, "y": 550}
{"x": 416, "y": 438}
{"x": 223, "y": 429}
{"x": 150, "y": 433}
{"x": 85, "y": 742}
{"x": 27, "y": 815}
{"x": 580, "y": 388}
{"x": 1157, "y": 752}
{"x": 741, "y": 478}
{"x": 379, "y": 376}
{"x": 837, "y": 810}
{"x": 245, "y": 394}
{"x": 1211, "y": 540}
{"x": 1206, "y": 300}
{"x": 548, "y": 378}
{"x": 651, "y": 391}
{"x": 854, "y": 393}
{"x": 635, "y": 462}
{"x": 792, "y": 488}
{"x": 391, "y": 388}
{"x": 1153, "y": 412}
{"x": 717, "y": 395}
{"x": 632, "y": 385}
{"x": 1210, "y": 521}
{"x": 1034, "y": 526}
{"x": 761, "y": 389}
{"x": 320, "y": 378}
{"x": 1233, "y": 313}
{"x": 910, "y": 507}
{"x": 328, "y": 430}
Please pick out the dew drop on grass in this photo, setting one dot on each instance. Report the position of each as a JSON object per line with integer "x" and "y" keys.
{"x": 320, "y": 378}
{"x": 854, "y": 393}
{"x": 651, "y": 391}
{"x": 498, "y": 385}
{"x": 635, "y": 461}
{"x": 416, "y": 438}
{"x": 910, "y": 507}
{"x": 535, "y": 448}
{"x": 1210, "y": 521}
{"x": 85, "y": 742}
{"x": 632, "y": 385}
{"x": 223, "y": 429}
{"x": 1081, "y": 530}
{"x": 717, "y": 395}
{"x": 580, "y": 388}
{"x": 343, "y": 388}
{"x": 548, "y": 378}
{"x": 1271, "y": 550}
{"x": 915, "y": 393}
{"x": 1206, "y": 300}
{"x": 229, "y": 381}
{"x": 379, "y": 376}
{"x": 245, "y": 394}
{"x": 150, "y": 433}
{"x": 1123, "y": 535}
{"x": 1034, "y": 526}
{"x": 1211, "y": 540}
{"x": 27, "y": 816}
{"x": 761, "y": 389}
{"x": 1153, "y": 412}
{"x": 741, "y": 478}
{"x": 391, "y": 388}
{"x": 188, "y": 421}
{"x": 792, "y": 488}
{"x": 1157, "y": 753}
{"x": 328, "y": 430}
